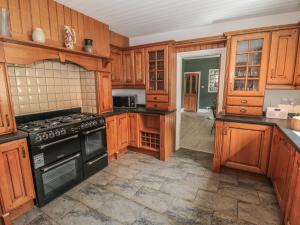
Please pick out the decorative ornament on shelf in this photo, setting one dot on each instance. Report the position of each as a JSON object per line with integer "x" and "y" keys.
{"x": 70, "y": 37}
{"x": 4, "y": 22}
{"x": 88, "y": 45}
{"x": 38, "y": 35}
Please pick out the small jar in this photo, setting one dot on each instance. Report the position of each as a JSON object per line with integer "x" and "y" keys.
{"x": 38, "y": 35}
{"x": 4, "y": 22}
{"x": 88, "y": 45}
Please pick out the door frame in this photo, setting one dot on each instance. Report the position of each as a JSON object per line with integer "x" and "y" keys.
{"x": 198, "y": 94}
{"x": 219, "y": 52}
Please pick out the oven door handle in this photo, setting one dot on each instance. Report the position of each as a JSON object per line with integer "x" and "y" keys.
{"x": 60, "y": 163}
{"x": 92, "y": 131}
{"x": 59, "y": 141}
{"x": 96, "y": 160}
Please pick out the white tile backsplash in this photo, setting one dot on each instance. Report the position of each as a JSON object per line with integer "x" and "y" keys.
{"x": 275, "y": 97}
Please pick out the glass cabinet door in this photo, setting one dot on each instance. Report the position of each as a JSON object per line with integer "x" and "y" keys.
{"x": 248, "y": 56}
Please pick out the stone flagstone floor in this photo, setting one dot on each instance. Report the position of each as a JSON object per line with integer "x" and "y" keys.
{"x": 140, "y": 190}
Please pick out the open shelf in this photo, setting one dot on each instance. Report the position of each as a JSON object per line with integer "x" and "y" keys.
{"x": 150, "y": 140}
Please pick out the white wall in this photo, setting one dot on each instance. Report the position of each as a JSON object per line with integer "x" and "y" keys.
{"x": 141, "y": 94}
{"x": 218, "y": 28}
{"x": 274, "y": 97}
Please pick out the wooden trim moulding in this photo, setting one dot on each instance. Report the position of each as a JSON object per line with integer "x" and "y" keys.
{"x": 200, "y": 41}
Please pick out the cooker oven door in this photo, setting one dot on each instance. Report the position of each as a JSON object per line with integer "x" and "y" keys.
{"x": 93, "y": 143}
{"x": 54, "y": 179}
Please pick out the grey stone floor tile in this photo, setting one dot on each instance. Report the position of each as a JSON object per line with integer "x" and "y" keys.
{"x": 148, "y": 180}
{"x": 28, "y": 217}
{"x": 123, "y": 187}
{"x": 228, "y": 178}
{"x": 101, "y": 178}
{"x": 201, "y": 182}
{"x": 121, "y": 171}
{"x": 42, "y": 220}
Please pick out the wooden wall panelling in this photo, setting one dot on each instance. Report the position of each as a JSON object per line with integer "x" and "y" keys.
{"x": 44, "y": 17}
{"x": 218, "y": 146}
{"x": 26, "y": 18}
{"x": 60, "y": 22}
{"x": 67, "y": 16}
{"x": 35, "y": 13}
{"x": 15, "y": 19}
{"x": 54, "y": 29}
{"x": 74, "y": 21}
{"x": 167, "y": 134}
{"x": 118, "y": 40}
{"x": 3, "y": 3}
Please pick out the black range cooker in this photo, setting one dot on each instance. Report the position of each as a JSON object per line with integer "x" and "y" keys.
{"x": 64, "y": 150}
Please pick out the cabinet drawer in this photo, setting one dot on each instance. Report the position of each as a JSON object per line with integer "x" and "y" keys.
{"x": 245, "y": 101}
{"x": 157, "y": 105}
{"x": 244, "y": 110}
{"x": 157, "y": 98}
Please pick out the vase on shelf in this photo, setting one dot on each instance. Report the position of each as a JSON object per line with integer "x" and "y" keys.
{"x": 38, "y": 35}
{"x": 4, "y": 22}
{"x": 70, "y": 37}
{"x": 88, "y": 45}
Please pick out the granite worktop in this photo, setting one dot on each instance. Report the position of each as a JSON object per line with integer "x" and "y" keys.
{"x": 283, "y": 124}
{"x": 12, "y": 137}
{"x": 139, "y": 109}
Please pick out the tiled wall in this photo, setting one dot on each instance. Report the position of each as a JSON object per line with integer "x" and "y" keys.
{"x": 51, "y": 85}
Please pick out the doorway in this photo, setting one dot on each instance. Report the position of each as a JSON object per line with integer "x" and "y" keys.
{"x": 191, "y": 92}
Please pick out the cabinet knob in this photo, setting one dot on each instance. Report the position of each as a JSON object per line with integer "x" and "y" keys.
{"x": 155, "y": 98}
{"x": 243, "y": 110}
{"x": 244, "y": 101}
{"x": 23, "y": 152}
{"x": 7, "y": 120}
{"x": 155, "y": 105}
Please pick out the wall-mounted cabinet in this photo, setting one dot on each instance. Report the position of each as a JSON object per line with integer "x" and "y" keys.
{"x": 116, "y": 67}
{"x": 283, "y": 54}
{"x": 297, "y": 67}
{"x": 104, "y": 92}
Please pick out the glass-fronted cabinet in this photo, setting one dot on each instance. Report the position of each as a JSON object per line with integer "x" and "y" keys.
{"x": 157, "y": 69}
{"x": 248, "y": 64}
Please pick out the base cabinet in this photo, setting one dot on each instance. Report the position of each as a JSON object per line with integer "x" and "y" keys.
{"x": 111, "y": 130}
{"x": 16, "y": 183}
{"x": 293, "y": 207}
{"x": 122, "y": 130}
{"x": 133, "y": 130}
{"x": 243, "y": 146}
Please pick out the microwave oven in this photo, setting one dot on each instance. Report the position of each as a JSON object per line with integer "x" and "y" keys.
{"x": 125, "y": 102}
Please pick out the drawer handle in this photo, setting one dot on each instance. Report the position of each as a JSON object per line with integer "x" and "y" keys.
{"x": 7, "y": 120}
{"x": 155, "y": 98}
{"x": 23, "y": 152}
{"x": 244, "y": 101}
{"x": 243, "y": 110}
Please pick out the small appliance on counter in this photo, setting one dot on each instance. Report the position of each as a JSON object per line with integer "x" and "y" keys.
{"x": 277, "y": 113}
{"x": 125, "y": 102}
{"x": 65, "y": 147}
{"x": 295, "y": 123}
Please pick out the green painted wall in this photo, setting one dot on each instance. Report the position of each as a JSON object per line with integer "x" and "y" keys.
{"x": 201, "y": 65}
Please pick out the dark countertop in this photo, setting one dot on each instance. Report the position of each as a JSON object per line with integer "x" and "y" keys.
{"x": 12, "y": 137}
{"x": 139, "y": 109}
{"x": 283, "y": 125}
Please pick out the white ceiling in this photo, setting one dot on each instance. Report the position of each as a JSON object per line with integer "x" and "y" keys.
{"x": 141, "y": 17}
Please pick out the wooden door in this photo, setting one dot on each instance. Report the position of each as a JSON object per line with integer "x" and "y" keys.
{"x": 15, "y": 175}
{"x": 104, "y": 92}
{"x": 122, "y": 129}
{"x": 7, "y": 123}
{"x": 139, "y": 66}
{"x": 111, "y": 134}
{"x": 128, "y": 70}
{"x": 246, "y": 146}
{"x": 248, "y": 64}
{"x": 297, "y": 67}
{"x": 282, "y": 57}
{"x": 282, "y": 171}
{"x": 133, "y": 130}
{"x": 293, "y": 206}
{"x": 116, "y": 67}
{"x": 191, "y": 85}
{"x": 157, "y": 70}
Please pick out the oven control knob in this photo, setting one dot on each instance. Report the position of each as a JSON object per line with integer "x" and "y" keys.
{"x": 91, "y": 124}
{"x": 63, "y": 131}
{"x": 51, "y": 134}
{"x": 57, "y": 133}
{"x": 94, "y": 123}
{"x": 102, "y": 122}
{"x": 38, "y": 138}
{"x": 45, "y": 136}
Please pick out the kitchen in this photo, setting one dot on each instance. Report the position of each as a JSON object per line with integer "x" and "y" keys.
{"x": 90, "y": 114}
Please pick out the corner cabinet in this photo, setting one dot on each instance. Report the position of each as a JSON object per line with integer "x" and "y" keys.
{"x": 104, "y": 92}
{"x": 16, "y": 183}
{"x": 247, "y": 73}
{"x": 7, "y": 123}
{"x": 116, "y": 67}
{"x": 160, "y": 77}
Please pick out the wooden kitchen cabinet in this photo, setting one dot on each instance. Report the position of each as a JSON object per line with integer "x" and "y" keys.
{"x": 139, "y": 67}
{"x": 128, "y": 69}
{"x": 293, "y": 206}
{"x": 122, "y": 130}
{"x": 245, "y": 146}
{"x": 281, "y": 162}
{"x": 116, "y": 67}
{"x": 7, "y": 123}
{"x": 16, "y": 183}
{"x": 133, "y": 129}
{"x": 112, "y": 140}
{"x": 297, "y": 67}
{"x": 104, "y": 92}
{"x": 283, "y": 53}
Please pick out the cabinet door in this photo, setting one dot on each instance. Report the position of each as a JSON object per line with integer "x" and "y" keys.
{"x": 15, "y": 175}
{"x": 157, "y": 70}
{"x": 128, "y": 71}
{"x": 139, "y": 66}
{"x": 297, "y": 68}
{"x": 133, "y": 130}
{"x": 293, "y": 206}
{"x": 282, "y": 171}
{"x": 246, "y": 146}
{"x": 122, "y": 125}
{"x": 282, "y": 57}
{"x": 104, "y": 92}
{"x": 111, "y": 130}
{"x": 274, "y": 152}
{"x": 248, "y": 64}
{"x": 7, "y": 124}
{"x": 116, "y": 67}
